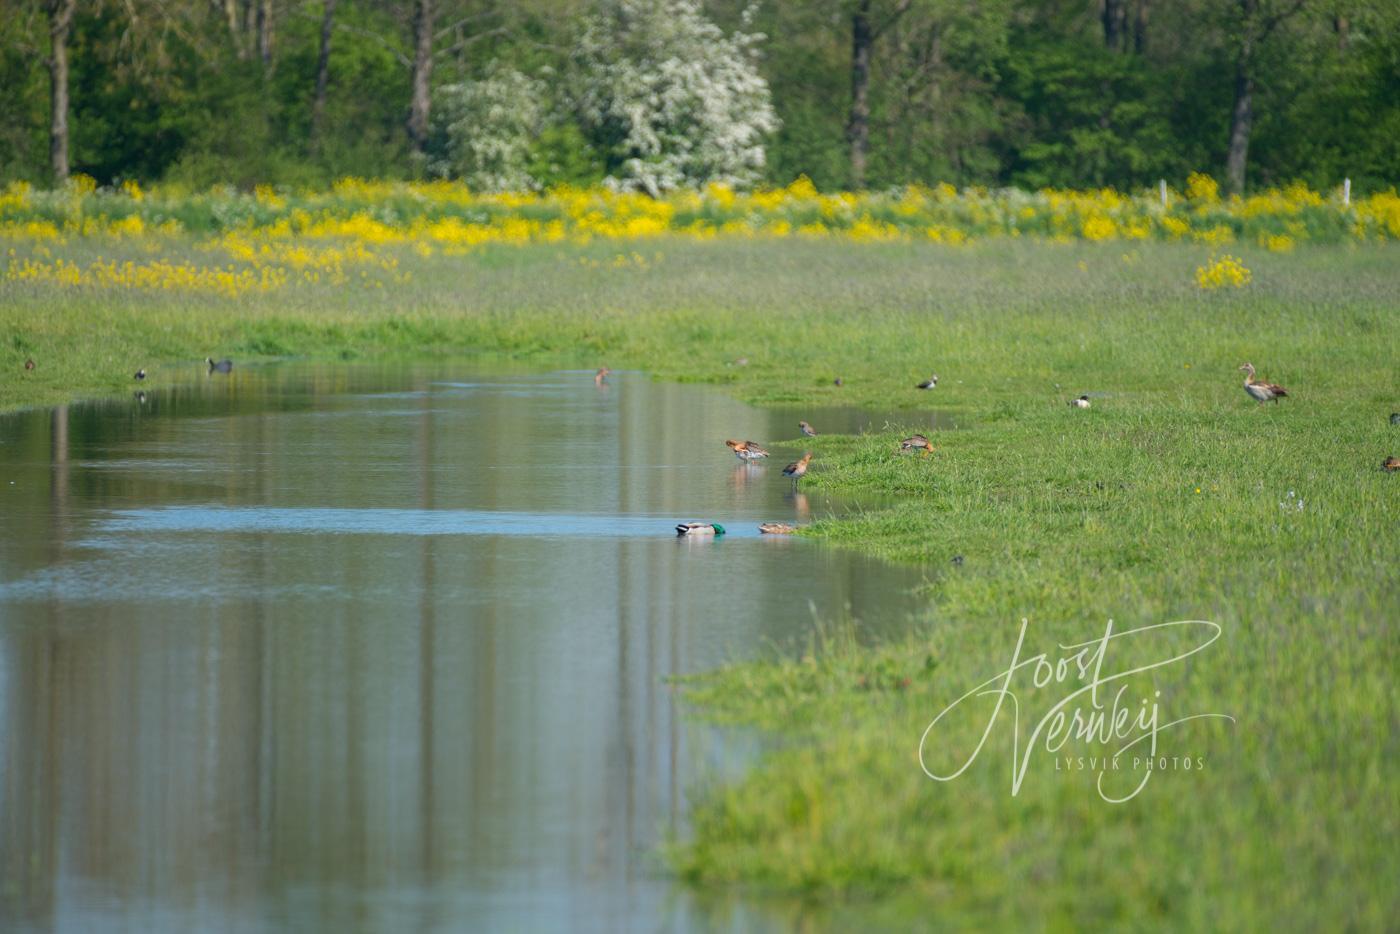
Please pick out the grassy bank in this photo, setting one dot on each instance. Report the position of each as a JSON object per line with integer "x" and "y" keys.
{"x": 1173, "y": 497}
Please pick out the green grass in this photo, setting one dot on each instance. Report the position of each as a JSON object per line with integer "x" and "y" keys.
{"x": 1169, "y": 499}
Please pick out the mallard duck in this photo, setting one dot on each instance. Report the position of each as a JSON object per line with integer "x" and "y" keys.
{"x": 140, "y": 374}
{"x": 798, "y": 468}
{"x": 746, "y": 450}
{"x": 699, "y": 528}
{"x": 930, "y": 383}
{"x": 777, "y": 528}
{"x": 601, "y": 376}
{"x": 29, "y": 364}
{"x": 222, "y": 366}
{"x": 1082, "y": 402}
{"x": 917, "y": 443}
{"x": 1391, "y": 463}
{"x": 807, "y": 429}
{"x": 1259, "y": 390}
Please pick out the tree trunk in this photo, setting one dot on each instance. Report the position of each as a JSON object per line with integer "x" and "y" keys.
{"x": 858, "y": 127}
{"x": 1342, "y": 26}
{"x": 264, "y": 26}
{"x": 422, "y": 74}
{"x": 323, "y": 71}
{"x": 1115, "y": 20}
{"x": 1140, "y": 27}
{"x": 1242, "y": 118}
{"x": 60, "y": 22}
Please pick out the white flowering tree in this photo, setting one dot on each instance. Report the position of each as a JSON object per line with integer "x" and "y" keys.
{"x": 484, "y": 130}
{"x": 669, "y": 98}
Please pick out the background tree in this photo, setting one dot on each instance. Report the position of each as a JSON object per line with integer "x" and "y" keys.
{"x": 60, "y": 22}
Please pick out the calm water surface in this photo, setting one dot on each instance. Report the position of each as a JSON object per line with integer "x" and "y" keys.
{"x": 385, "y": 648}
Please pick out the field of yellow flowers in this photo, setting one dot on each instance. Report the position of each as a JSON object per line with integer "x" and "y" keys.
{"x": 357, "y": 232}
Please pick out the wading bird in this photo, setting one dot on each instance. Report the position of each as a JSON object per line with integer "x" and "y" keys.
{"x": 777, "y": 528}
{"x": 601, "y": 376}
{"x": 798, "y": 468}
{"x": 807, "y": 429}
{"x": 29, "y": 364}
{"x": 140, "y": 374}
{"x": 917, "y": 443}
{"x": 929, "y": 383}
{"x": 746, "y": 450}
{"x": 1080, "y": 403}
{"x": 699, "y": 528}
{"x": 222, "y": 366}
{"x": 1259, "y": 390}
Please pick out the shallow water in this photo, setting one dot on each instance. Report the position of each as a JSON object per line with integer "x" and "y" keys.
{"x": 386, "y": 647}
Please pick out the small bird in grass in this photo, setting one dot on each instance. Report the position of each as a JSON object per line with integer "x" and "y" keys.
{"x": 798, "y": 468}
{"x": 140, "y": 374}
{"x": 601, "y": 376}
{"x": 838, "y": 383}
{"x": 699, "y": 528}
{"x": 1259, "y": 390}
{"x": 807, "y": 429}
{"x": 746, "y": 450}
{"x": 1391, "y": 463}
{"x": 29, "y": 364}
{"x": 1081, "y": 402}
{"x": 222, "y": 366}
{"x": 777, "y": 528}
{"x": 917, "y": 443}
{"x": 1395, "y": 418}
{"x": 929, "y": 383}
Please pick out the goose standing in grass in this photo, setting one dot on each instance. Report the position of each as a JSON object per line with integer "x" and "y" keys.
{"x": 746, "y": 451}
{"x": 777, "y": 528}
{"x": 29, "y": 364}
{"x": 140, "y": 375}
{"x": 1081, "y": 402}
{"x": 1259, "y": 390}
{"x": 1392, "y": 464}
{"x": 917, "y": 443}
{"x": 930, "y": 383}
{"x": 601, "y": 376}
{"x": 798, "y": 468}
{"x": 221, "y": 366}
{"x": 807, "y": 429}
{"x": 699, "y": 528}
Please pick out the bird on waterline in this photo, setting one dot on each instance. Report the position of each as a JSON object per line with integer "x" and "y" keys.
{"x": 929, "y": 383}
{"x": 141, "y": 396}
{"x": 601, "y": 376}
{"x": 1259, "y": 390}
{"x": 777, "y": 528}
{"x": 140, "y": 374}
{"x": 1082, "y": 402}
{"x": 221, "y": 366}
{"x": 699, "y": 528}
{"x": 746, "y": 450}
{"x": 798, "y": 468}
{"x": 917, "y": 443}
{"x": 807, "y": 429}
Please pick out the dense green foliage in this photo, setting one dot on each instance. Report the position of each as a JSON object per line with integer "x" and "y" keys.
{"x": 987, "y": 93}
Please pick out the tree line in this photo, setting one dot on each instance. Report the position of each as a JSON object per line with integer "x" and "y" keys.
{"x": 658, "y": 93}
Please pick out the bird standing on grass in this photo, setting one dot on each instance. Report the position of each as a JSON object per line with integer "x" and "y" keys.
{"x": 222, "y": 366}
{"x": 917, "y": 443}
{"x": 930, "y": 383}
{"x": 29, "y": 364}
{"x": 1392, "y": 464}
{"x": 1259, "y": 390}
{"x": 699, "y": 528}
{"x": 1080, "y": 403}
{"x": 140, "y": 375}
{"x": 747, "y": 451}
{"x": 798, "y": 468}
{"x": 807, "y": 429}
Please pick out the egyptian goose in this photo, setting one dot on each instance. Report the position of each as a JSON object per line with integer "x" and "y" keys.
{"x": 699, "y": 528}
{"x": 917, "y": 443}
{"x": 1259, "y": 390}
{"x": 746, "y": 450}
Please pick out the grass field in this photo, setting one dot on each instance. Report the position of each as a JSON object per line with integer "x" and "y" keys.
{"x": 1174, "y": 497}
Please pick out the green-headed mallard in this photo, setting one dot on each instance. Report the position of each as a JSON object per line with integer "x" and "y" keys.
{"x": 699, "y": 528}
{"x": 1259, "y": 390}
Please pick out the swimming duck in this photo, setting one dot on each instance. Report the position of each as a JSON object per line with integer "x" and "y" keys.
{"x": 29, "y": 364}
{"x": 777, "y": 528}
{"x": 601, "y": 376}
{"x": 807, "y": 429}
{"x": 929, "y": 383}
{"x": 1080, "y": 403}
{"x": 1391, "y": 463}
{"x": 222, "y": 366}
{"x": 917, "y": 443}
{"x": 140, "y": 374}
{"x": 798, "y": 468}
{"x": 746, "y": 450}
{"x": 699, "y": 528}
{"x": 1259, "y": 390}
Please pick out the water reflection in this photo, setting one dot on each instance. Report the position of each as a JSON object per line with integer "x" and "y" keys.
{"x": 375, "y": 648}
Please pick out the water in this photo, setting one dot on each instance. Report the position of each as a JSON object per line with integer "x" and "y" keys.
{"x": 385, "y": 648}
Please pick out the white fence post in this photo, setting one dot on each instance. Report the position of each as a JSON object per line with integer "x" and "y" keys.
{"x": 1162, "y": 190}
{"x": 1346, "y": 191}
